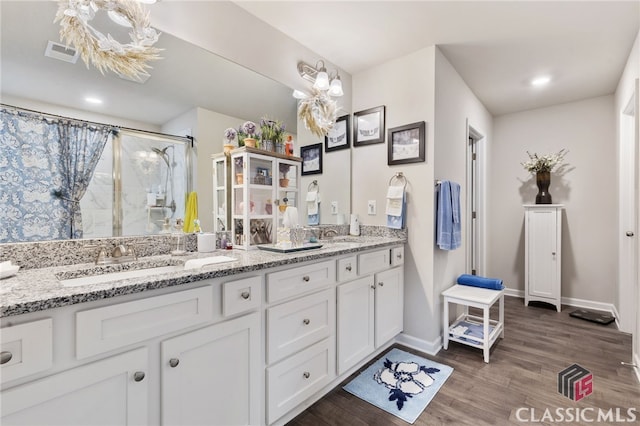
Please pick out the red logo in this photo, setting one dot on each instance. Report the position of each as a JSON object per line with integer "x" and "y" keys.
{"x": 575, "y": 382}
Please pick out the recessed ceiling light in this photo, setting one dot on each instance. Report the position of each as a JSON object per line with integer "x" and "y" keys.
{"x": 93, "y": 100}
{"x": 540, "y": 81}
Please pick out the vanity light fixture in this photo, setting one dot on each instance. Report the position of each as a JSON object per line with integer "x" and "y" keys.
{"x": 320, "y": 78}
{"x": 540, "y": 81}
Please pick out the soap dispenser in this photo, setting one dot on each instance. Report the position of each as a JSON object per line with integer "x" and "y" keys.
{"x": 354, "y": 228}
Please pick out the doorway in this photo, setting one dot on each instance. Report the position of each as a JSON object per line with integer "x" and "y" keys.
{"x": 475, "y": 247}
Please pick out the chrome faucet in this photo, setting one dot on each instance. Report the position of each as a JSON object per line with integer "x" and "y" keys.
{"x": 329, "y": 233}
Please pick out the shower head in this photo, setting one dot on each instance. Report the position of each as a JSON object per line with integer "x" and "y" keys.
{"x": 162, "y": 153}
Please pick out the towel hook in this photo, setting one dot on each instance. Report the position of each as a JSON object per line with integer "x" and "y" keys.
{"x": 400, "y": 177}
{"x": 312, "y": 185}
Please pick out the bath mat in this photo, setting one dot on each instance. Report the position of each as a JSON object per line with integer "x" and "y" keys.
{"x": 400, "y": 383}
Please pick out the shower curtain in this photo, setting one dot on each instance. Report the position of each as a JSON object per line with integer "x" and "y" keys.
{"x": 45, "y": 167}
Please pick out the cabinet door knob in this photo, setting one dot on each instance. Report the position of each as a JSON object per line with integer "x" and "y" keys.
{"x": 629, "y": 233}
{"x": 245, "y": 295}
{"x": 305, "y": 278}
{"x": 5, "y": 357}
{"x": 306, "y": 374}
{"x": 399, "y": 256}
{"x": 381, "y": 284}
{"x": 373, "y": 287}
{"x": 306, "y": 321}
{"x": 173, "y": 362}
{"x": 138, "y": 376}
{"x": 348, "y": 268}
{"x": 553, "y": 253}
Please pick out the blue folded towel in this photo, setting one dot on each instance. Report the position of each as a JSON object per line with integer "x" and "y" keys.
{"x": 448, "y": 236}
{"x": 482, "y": 282}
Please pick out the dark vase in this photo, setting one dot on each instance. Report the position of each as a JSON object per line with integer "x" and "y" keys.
{"x": 543, "y": 180}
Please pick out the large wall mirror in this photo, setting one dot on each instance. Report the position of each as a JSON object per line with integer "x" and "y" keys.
{"x": 190, "y": 90}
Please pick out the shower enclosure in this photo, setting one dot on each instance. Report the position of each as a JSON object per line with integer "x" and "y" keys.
{"x": 139, "y": 186}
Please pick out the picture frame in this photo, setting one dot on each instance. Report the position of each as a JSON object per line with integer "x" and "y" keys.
{"x": 406, "y": 144}
{"x": 311, "y": 159}
{"x": 368, "y": 126}
{"x": 339, "y": 137}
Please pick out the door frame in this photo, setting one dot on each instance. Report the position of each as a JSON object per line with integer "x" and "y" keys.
{"x": 476, "y": 200}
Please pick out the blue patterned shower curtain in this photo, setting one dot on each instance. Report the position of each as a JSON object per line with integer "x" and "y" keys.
{"x": 45, "y": 168}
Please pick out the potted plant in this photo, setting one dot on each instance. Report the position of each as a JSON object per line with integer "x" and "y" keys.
{"x": 284, "y": 169}
{"x": 272, "y": 133}
{"x": 248, "y": 134}
{"x": 239, "y": 164}
{"x": 229, "y": 139}
{"x": 542, "y": 165}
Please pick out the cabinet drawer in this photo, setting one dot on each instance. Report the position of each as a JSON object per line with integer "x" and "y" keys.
{"x": 26, "y": 349}
{"x": 241, "y": 295}
{"x": 103, "y": 329}
{"x": 347, "y": 269}
{"x": 374, "y": 261}
{"x": 397, "y": 256}
{"x": 296, "y": 379}
{"x": 297, "y": 324}
{"x": 295, "y": 281}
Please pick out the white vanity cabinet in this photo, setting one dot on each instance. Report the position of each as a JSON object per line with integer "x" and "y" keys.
{"x": 112, "y": 391}
{"x": 370, "y": 308}
{"x": 543, "y": 254}
{"x": 212, "y": 376}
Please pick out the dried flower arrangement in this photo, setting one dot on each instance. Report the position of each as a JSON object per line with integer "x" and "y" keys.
{"x": 319, "y": 113}
{"x": 544, "y": 163}
{"x": 230, "y": 135}
{"x": 247, "y": 130}
{"x": 272, "y": 130}
{"x": 105, "y": 52}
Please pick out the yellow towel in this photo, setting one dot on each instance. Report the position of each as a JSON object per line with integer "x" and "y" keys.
{"x": 190, "y": 212}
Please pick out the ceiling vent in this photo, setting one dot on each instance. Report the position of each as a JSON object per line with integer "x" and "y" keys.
{"x": 61, "y": 52}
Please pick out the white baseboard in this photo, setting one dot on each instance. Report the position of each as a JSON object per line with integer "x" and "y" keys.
{"x": 431, "y": 348}
{"x": 571, "y": 301}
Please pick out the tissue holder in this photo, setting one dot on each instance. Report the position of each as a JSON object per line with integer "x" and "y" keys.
{"x": 206, "y": 242}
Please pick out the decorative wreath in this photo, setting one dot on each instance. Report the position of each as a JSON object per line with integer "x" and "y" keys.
{"x": 319, "y": 113}
{"x": 105, "y": 52}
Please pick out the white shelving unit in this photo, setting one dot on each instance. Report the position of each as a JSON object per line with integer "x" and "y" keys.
{"x": 260, "y": 183}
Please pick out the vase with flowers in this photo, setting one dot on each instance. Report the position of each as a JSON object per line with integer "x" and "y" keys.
{"x": 238, "y": 164}
{"x": 247, "y": 134}
{"x": 542, "y": 165}
{"x": 284, "y": 169}
{"x": 229, "y": 139}
{"x": 272, "y": 133}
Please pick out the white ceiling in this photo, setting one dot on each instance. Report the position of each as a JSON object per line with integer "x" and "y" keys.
{"x": 496, "y": 46}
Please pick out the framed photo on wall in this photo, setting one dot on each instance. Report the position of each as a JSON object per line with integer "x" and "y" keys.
{"x": 368, "y": 126}
{"x": 311, "y": 159}
{"x": 406, "y": 144}
{"x": 339, "y": 137}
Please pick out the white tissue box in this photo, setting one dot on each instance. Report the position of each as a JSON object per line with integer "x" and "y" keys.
{"x": 206, "y": 242}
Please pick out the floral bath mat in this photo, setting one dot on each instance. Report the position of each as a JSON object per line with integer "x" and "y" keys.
{"x": 400, "y": 383}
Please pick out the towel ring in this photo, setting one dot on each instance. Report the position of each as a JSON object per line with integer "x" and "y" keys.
{"x": 399, "y": 177}
{"x": 313, "y": 185}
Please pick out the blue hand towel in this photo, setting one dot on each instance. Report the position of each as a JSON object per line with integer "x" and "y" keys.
{"x": 448, "y": 235}
{"x": 482, "y": 282}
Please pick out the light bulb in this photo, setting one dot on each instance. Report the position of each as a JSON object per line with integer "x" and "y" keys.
{"x": 336, "y": 87}
{"x": 322, "y": 80}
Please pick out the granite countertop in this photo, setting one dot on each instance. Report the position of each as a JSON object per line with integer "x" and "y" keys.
{"x": 34, "y": 290}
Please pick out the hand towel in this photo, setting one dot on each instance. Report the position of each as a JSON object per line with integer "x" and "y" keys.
{"x": 482, "y": 282}
{"x": 313, "y": 211}
{"x": 190, "y": 212}
{"x": 290, "y": 217}
{"x": 448, "y": 235}
{"x": 396, "y": 207}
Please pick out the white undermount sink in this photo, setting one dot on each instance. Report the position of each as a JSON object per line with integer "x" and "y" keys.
{"x": 135, "y": 270}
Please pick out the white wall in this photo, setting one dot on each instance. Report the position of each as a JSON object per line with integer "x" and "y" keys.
{"x": 587, "y": 189}
{"x": 454, "y": 105}
{"x": 406, "y": 87}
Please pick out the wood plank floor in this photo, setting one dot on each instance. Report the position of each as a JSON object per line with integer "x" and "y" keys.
{"x": 539, "y": 342}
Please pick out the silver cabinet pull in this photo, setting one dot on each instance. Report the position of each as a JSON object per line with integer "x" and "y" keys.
{"x": 306, "y": 321}
{"x": 305, "y": 278}
{"x": 245, "y": 295}
{"x": 373, "y": 287}
{"x": 5, "y": 357}
{"x": 173, "y": 362}
{"x": 381, "y": 284}
{"x": 399, "y": 256}
{"x": 306, "y": 374}
{"x": 629, "y": 234}
{"x": 348, "y": 268}
{"x": 138, "y": 376}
